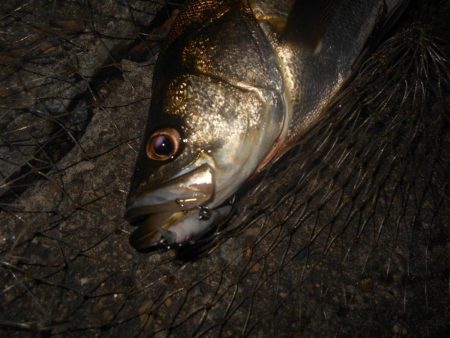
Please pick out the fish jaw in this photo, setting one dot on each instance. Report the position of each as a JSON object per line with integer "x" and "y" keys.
{"x": 197, "y": 223}
{"x": 192, "y": 189}
{"x": 177, "y": 228}
{"x": 175, "y": 212}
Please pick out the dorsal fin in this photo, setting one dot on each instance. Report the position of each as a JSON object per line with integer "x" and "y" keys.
{"x": 195, "y": 13}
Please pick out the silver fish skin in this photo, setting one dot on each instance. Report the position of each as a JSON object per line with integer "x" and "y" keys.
{"x": 233, "y": 89}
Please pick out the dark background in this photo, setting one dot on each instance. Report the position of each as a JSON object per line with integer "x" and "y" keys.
{"x": 347, "y": 235}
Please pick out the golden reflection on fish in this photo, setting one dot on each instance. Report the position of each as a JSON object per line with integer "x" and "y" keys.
{"x": 236, "y": 84}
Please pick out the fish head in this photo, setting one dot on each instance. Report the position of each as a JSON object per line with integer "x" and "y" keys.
{"x": 208, "y": 131}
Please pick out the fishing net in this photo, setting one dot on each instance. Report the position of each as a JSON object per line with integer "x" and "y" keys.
{"x": 347, "y": 235}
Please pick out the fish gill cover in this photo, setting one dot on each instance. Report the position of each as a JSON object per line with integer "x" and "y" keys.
{"x": 347, "y": 235}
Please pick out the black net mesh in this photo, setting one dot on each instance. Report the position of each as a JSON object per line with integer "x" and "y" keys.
{"x": 347, "y": 235}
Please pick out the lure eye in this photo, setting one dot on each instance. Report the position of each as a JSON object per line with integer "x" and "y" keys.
{"x": 163, "y": 144}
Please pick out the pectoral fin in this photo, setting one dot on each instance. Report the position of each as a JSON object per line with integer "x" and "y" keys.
{"x": 389, "y": 16}
{"x": 308, "y": 21}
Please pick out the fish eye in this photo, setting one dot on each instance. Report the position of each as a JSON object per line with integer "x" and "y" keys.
{"x": 163, "y": 144}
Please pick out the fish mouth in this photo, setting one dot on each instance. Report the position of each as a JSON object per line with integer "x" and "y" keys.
{"x": 174, "y": 211}
{"x": 193, "y": 189}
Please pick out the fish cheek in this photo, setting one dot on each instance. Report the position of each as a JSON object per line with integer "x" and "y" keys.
{"x": 217, "y": 116}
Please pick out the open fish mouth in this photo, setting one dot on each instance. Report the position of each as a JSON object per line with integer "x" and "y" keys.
{"x": 184, "y": 192}
{"x": 174, "y": 212}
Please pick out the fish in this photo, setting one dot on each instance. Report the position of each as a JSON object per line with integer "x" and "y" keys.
{"x": 235, "y": 86}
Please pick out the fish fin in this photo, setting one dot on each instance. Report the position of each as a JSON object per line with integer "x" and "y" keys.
{"x": 388, "y": 17}
{"x": 308, "y": 21}
{"x": 393, "y": 10}
{"x": 194, "y": 14}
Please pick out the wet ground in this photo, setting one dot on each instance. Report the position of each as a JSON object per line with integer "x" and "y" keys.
{"x": 347, "y": 235}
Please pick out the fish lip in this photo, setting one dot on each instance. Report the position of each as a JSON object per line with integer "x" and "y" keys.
{"x": 193, "y": 189}
{"x": 188, "y": 227}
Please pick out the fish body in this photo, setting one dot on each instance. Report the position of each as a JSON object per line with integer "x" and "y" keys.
{"x": 236, "y": 84}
